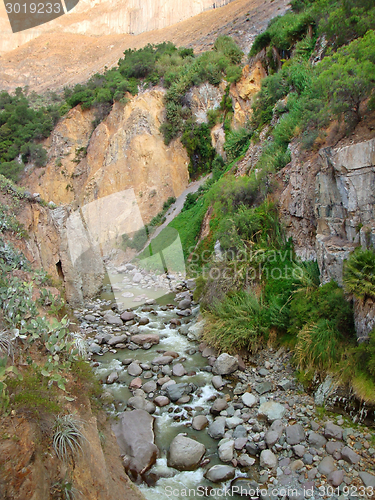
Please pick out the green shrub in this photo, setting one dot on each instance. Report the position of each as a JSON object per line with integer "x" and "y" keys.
{"x": 359, "y": 274}
{"x": 237, "y": 142}
{"x": 236, "y": 323}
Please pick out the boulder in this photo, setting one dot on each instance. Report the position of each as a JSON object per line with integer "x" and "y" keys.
{"x": 336, "y": 477}
{"x": 247, "y": 487}
{"x": 162, "y": 360}
{"x": 263, "y": 387}
{"x": 219, "y": 405}
{"x": 299, "y": 450}
{"x": 136, "y": 383}
{"x": 220, "y": 473}
{"x": 217, "y": 382}
{"x": 117, "y": 339}
{"x": 149, "y": 386}
{"x": 137, "y": 278}
{"x": 333, "y": 447}
{"x": 185, "y": 453}
{"x": 225, "y": 364}
{"x": 217, "y": 428}
{"x": 200, "y": 422}
{"x": 326, "y": 466}
{"x": 367, "y": 479}
{"x": 271, "y": 411}
{"x": 127, "y": 316}
{"x": 246, "y": 461}
{"x": 112, "y": 319}
{"x": 226, "y": 451}
{"x": 140, "y": 403}
{"x": 249, "y": 399}
{"x": 146, "y": 338}
{"x": 178, "y": 370}
{"x": 184, "y": 304}
{"x": 176, "y": 391}
{"x": 349, "y": 455}
{"x": 271, "y": 438}
{"x": 161, "y": 401}
{"x": 135, "y": 437}
{"x": 134, "y": 370}
{"x": 295, "y": 434}
{"x": 113, "y": 377}
{"x": 268, "y": 459}
{"x": 143, "y": 321}
{"x": 332, "y": 431}
{"x": 317, "y": 440}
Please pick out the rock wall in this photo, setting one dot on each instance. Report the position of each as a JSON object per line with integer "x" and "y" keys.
{"x": 328, "y": 205}
{"x": 110, "y": 17}
{"x": 125, "y": 151}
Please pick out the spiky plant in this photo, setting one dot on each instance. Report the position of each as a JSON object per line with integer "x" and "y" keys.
{"x": 359, "y": 274}
{"x": 6, "y": 344}
{"x": 67, "y": 436}
{"x": 79, "y": 343}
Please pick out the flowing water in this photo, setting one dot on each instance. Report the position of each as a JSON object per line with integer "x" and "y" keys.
{"x": 171, "y": 419}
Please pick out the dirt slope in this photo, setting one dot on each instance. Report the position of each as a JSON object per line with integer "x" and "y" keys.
{"x": 52, "y": 61}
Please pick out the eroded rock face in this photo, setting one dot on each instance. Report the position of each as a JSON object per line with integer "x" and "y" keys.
{"x": 328, "y": 205}
{"x": 135, "y": 437}
{"x": 125, "y": 151}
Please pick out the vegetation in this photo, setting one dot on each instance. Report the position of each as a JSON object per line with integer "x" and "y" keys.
{"x": 359, "y": 274}
{"x": 67, "y": 436}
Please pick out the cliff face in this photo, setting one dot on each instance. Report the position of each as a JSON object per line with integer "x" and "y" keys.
{"x": 110, "y": 17}
{"x": 125, "y": 151}
{"x": 328, "y": 205}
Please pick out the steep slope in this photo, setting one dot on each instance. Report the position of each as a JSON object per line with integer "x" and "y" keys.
{"x": 54, "y": 60}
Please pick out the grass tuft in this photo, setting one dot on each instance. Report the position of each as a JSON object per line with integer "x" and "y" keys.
{"x": 68, "y": 436}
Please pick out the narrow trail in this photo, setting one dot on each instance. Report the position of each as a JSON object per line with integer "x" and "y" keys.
{"x": 176, "y": 208}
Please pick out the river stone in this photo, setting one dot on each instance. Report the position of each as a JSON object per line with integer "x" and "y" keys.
{"x": 143, "y": 321}
{"x": 244, "y": 487}
{"x": 135, "y": 437}
{"x": 145, "y": 338}
{"x": 226, "y": 451}
{"x": 176, "y": 391}
{"x": 246, "y": 461}
{"x": 149, "y": 386}
{"x": 233, "y": 422}
{"x": 295, "y": 434}
{"x": 220, "y": 473}
{"x": 161, "y": 401}
{"x": 263, "y": 387}
{"x": 336, "y": 477}
{"x": 137, "y": 278}
{"x": 316, "y": 440}
{"x": 117, "y": 339}
{"x": 217, "y": 428}
{"x": 178, "y": 370}
{"x": 349, "y": 455}
{"x": 185, "y": 453}
{"x": 219, "y": 405}
{"x": 95, "y": 348}
{"x": 162, "y": 360}
{"x": 113, "y": 377}
{"x": 268, "y": 459}
{"x": 240, "y": 432}
{"x": 127, "y": 316}
{"x": 134, "y": 369}
{"x": 326, "y": 466}
{"x": 111, "y": 319}
{"x": 271, "y": 438}
{"x": 217, "y": 382}
{"x": 278, "y": 427}
{"x": 249, "y": 399}
{"x": 136, "y": 383}
{"x": 184, "y": 304}
{"x": 299, "y": 450}
{"x": 332, "y": 431}
{"x": 367, "y": 479}
{"x": 333, "y": 446}
{"x": 140, "y": 403}
{"x": 208, "y": 352}
{"x": 271, "y": 411}
{"x": 90, "y": 318}
{"x": 225, "y": 364}
{"x": 239, "y": 443}
{"x": 200, "y": 422}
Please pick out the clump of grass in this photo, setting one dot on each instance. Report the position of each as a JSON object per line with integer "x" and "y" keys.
{"x": 236, "y": 323}
{"x": 67, "y": 436}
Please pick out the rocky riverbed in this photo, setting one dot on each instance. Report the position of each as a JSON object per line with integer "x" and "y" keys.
{"x": 188, "y": 420}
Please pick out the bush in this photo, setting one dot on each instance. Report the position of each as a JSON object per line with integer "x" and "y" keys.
{"x": 236, "y": 323}
{"x": 237, "y": 142}
{"x": 359, "y": 274}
